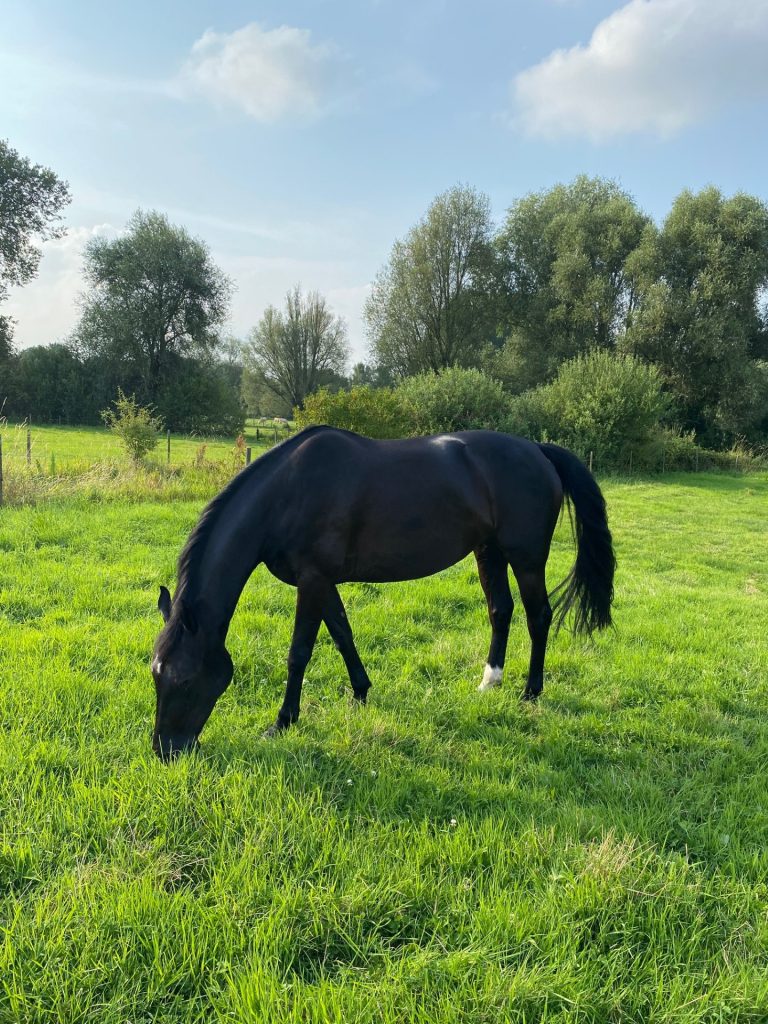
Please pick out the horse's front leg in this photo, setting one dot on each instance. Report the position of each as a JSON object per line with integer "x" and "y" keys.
{"x": 309, "y": 613}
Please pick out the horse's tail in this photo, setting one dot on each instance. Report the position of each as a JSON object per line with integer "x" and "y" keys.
{"x": 588, "y": 588}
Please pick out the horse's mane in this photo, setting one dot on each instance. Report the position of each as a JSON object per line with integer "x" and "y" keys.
{"x": 192, "y": 553}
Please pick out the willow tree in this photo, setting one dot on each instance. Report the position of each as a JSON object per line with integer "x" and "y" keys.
{"x": 153, "y": 293}
{"x": 432, "y": 305}
{"x": 295, "y": 349}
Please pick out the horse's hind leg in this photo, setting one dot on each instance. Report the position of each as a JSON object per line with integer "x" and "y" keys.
{"x": 533, "y": 593}
{"x": 492, "y": 569}
{"x": 335, "y": 618}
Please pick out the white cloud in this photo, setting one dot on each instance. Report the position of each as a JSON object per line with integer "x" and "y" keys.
{"x": 652, "y": 66}
{"x": 268, "y": 73}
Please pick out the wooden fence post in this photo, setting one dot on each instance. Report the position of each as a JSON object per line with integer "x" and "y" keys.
{"x": 29, "y": 447}
{"x": 247, "y": 456}
{"x": 590, "y": 462}
{"x": 257, "y": 434}
{"x": 275, "y": 434}
{"x": 168, "y": 437}
{"x": 1, "y": 469}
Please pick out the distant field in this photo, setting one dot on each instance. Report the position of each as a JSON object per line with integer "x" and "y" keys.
{"x": 81, "y": 446}
{"x": 443, "y": 857}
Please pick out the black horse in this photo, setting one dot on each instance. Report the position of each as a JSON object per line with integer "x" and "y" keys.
{"x": 328, "y": 506}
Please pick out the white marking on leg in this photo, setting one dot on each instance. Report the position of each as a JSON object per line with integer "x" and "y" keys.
{"x": 491, "y": 678}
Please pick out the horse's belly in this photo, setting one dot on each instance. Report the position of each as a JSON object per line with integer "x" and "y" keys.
{"x": 406, "y": 550}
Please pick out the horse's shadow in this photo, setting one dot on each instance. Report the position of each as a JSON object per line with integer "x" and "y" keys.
{"x": 563, "y": 763}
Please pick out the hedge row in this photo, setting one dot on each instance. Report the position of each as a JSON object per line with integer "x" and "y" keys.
{"x": 607, "y": 408}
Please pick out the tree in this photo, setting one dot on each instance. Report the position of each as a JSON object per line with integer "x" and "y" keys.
{"x": 295, "y": 348}
{"x": 701, "y": 279}
{"x": 563, "y": 255}
{"x": 153, "y": 292}
{"x": 31, "y": 200}
{"x": 50, "y": 386}
{"x": 432, "y": 305}
{"x": 6, "y": 361}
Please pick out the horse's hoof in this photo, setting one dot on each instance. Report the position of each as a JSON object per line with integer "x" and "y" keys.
{"x": 491, "y": 678}
{"x": 530, "y": 695}
{"x": 274, "y": 730}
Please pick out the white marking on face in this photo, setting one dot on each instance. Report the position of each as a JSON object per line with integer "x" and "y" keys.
{"x": 491, "y": 678}
{"x": 157, "y": 667}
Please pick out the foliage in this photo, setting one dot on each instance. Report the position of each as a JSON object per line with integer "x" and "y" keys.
{"x": 199, "y": 396}
{"x": 455, "y": 399}
{"x": 563, "y": 256}
{"x": 137, "y": 428}
{"x": 432, "y": 305}
{"x": 31, "y": 200}
{"x": 49, "y": 385}
{"x": 374, "y": 412}
{"x": 292, "y": 349}
{"x": 600, "y": 402}
{"x": 429, "y": 403}
{"x": 701, "y": 278}
{"x": 153, "y": 292}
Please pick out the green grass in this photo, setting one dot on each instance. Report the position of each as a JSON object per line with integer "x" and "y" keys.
{"x": 75, "y": 448}
{"x": 443, "y": 856}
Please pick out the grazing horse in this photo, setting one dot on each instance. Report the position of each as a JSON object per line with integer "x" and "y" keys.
{"x": 328, "y": 506}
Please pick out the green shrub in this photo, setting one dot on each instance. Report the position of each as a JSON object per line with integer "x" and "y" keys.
{"x": 374, "y": 412}
{"x": 134, "y": 424}
{"x": 602, "y": 403}
{"x": 454, "y": 399}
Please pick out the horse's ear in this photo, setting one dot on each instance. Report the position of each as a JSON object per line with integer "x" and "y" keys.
{"x": 164, "y": 603}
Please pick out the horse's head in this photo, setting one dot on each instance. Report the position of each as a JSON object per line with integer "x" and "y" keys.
{"x": 191, "y": 668}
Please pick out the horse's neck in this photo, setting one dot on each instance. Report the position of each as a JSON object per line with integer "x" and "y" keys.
{"x": 231, "y": 553}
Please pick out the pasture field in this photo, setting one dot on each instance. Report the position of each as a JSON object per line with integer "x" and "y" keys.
{"x": 72, "y": 449}
{"x": 439, "y": 857}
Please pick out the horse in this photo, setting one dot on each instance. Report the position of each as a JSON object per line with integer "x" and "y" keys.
{"x": 328, "y": 506}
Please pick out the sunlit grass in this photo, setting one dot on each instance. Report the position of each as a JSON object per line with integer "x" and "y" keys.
{"x": 442, "y": 856}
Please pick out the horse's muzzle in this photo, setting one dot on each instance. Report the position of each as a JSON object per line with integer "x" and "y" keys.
{"x": 168, "y": 748}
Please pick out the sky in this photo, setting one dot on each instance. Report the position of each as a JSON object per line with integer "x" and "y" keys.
{"x": 301, "y": 139}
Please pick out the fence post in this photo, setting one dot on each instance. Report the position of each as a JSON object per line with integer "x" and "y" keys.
{"x": 29, "y": 447}
{"x": 590, "y": 462}
{"x": 275, "y": 434}
{"x": 257, "y": 433}
{"x": 663, "y": 458}
{"x": 1, "y": 469}
{"x": 168, "y": 438}
{"x": 247, "y": 456}
{"x": 630, "y": 462}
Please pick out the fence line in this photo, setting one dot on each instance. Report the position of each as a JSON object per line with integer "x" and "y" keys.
{"x": 689, "y": 461}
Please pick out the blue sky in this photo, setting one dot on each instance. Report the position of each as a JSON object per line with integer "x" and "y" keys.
{"x": 299, "y": 139}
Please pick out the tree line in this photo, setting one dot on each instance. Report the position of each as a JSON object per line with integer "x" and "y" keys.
{"x": 572, "y": 270}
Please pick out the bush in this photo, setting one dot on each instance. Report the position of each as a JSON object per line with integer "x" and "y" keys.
{"x": 602, "y": 403}
{"x": 374, "y": 412}
{"x": 135, "y": 425}
{"x": 454, "y": 399}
